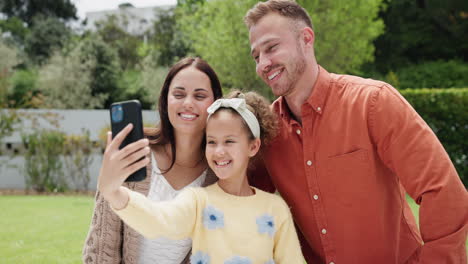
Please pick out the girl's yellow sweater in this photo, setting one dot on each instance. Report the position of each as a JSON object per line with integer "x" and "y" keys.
{"x": 224, "y": 228}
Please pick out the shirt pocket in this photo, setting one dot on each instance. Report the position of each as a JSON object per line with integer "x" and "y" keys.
{"x": 349, "y": 175}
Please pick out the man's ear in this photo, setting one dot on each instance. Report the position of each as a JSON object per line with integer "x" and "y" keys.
{"x": 308, "y": 36}
{"x": 254, "y": 147}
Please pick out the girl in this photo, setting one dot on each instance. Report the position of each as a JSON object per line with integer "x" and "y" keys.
{"x": 176, "y": 155}
{"x": 230, "y": 221}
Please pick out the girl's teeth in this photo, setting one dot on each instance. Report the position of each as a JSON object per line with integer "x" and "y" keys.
{"x": 223, "y": 163}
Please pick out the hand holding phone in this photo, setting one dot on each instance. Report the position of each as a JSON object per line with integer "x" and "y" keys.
{"x": 118, "y": 164}
{"x": 122, "y": 114}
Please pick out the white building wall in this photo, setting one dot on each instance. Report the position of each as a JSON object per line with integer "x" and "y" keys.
{"x": 139, "y": 20}
{"x": 69, "y": 122}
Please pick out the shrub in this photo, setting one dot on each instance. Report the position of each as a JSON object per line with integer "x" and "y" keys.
{"x": 433, "y": 74}
{"x": 53, "y": 160}
{"x": 8, "y": 118}
{"x": 130, "y": 87}
{"x": 445, "y": 112}
{"x": 43, "y": 167}
{"x": 77, "y": 159}
{"x": 23, "y": 87}
{"x": 65, "y": 82}
{"x": 9, "y": 59}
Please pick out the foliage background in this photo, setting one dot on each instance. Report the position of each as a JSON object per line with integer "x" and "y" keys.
{"x": 217, "y": 33}
{"x": 420, "y": 47}
{"x": 445, "y": 110}
{"x": 409, "y": 44}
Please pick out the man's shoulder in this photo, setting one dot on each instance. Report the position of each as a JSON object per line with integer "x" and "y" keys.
{"x": 356, "y": 82}
{"x": 349, "y": 88}
{"x": 362, "y": 88}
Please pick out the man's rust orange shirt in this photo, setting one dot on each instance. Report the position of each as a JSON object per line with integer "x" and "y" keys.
{"x": 346, "y": 169}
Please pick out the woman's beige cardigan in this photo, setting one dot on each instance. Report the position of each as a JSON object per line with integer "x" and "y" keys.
{"x": 109, "y": 240}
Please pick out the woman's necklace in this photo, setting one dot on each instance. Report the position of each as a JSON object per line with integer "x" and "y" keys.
{"x": 188, "y": 166}
{"x": 168, "y": 152}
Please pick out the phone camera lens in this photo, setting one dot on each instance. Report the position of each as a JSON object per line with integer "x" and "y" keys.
{"x": 117, "y": 114}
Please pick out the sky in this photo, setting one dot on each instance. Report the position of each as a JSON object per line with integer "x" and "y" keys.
{"x": 84, "y": 6}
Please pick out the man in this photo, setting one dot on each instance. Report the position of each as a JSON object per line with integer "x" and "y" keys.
{"x": 348, "y": 151}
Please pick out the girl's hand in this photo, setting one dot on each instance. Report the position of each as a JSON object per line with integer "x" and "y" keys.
{"x": 117, "y": 165}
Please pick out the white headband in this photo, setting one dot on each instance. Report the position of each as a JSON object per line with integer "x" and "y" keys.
{"x": 240, "y": 106}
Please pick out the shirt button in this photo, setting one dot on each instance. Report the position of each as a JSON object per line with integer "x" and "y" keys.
{"x": 309, "y": 163}
{"x": 324, "y": 231}
{"x": 332, "y": 262}
{"x": 298, "y": 132}
{"x": 315, "y": 197}
{"x": 319, "y": 109}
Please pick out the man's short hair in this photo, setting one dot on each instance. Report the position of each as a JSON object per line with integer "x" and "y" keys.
{"x": 286, "y": 8}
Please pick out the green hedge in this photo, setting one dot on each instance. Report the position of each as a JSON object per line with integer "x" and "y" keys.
{"x": 433, "y": 74}
{"x": 446, "y": 112}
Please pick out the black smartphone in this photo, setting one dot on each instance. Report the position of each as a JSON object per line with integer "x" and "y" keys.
{"x": 122, "y": 114}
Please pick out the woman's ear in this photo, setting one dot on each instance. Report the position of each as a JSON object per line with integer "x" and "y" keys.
{"x": 254, "y": 146}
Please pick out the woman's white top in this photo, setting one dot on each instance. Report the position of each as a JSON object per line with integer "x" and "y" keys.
{"x": 164, "y": 250}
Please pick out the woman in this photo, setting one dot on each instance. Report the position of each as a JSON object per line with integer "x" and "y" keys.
{"x": 177, "y": 161}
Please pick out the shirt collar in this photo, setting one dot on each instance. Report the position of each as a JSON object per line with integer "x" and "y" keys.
{"x": 316, "y": 100}
{"x": 321, "y": 89}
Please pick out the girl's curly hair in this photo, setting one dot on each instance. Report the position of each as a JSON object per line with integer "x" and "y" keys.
{"x": 260, "y": 107}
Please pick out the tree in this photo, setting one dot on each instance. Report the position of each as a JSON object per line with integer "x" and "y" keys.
{"x": 124, "y": 5}
{"x": 65, "y": 81}
{"x": 190, "y": 5}
{"x": 344, "y": 34}
{"x": 143, "y": 83}
{"x": 423, "y": 30}
{"x": 112, "y": 31}
{"x": 166, "y": 37}
{"x": 15, "y": 27}
{"x": 26, "y": 10}
{"x": 106, "y": 71}
{"x": 9, "y": 57}
{"x": 216, "y": 33}
{"x": 345, "y": 31}
{"x": 46, "y": 35}
{"x": 151, "y": 80}
{"x": 9, "y": 60}
{"x": 163, "y": 33}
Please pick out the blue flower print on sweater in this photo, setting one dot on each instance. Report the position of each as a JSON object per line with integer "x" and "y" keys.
{"x": 266, "y": 225}
{"x": 270, "y": 262}
{"x": 200, "y": 258}
{"x": 238, "y": 260}
{"x": 213, "y": 218}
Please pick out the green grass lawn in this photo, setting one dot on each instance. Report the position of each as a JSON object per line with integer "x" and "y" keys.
{"x": 43, "y": 229}
{"x": 50, "y": 229}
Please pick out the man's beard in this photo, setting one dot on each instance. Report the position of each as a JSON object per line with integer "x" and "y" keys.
{"x": 299, "y": 65}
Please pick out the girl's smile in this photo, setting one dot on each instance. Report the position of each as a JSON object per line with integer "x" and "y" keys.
{"x": 228, "y": 146}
